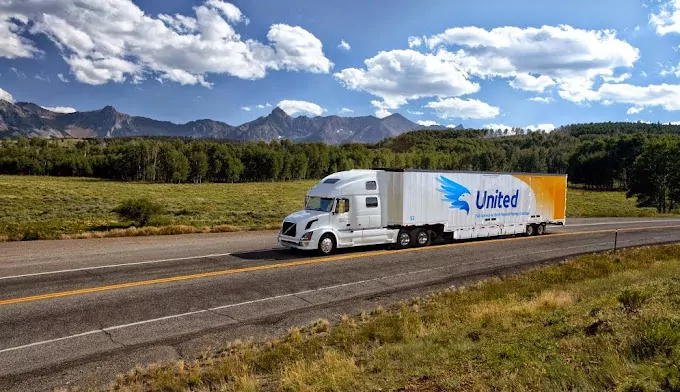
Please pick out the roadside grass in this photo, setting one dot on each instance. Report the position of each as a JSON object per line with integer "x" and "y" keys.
{"x": 604, "y": 204}
{"x": 598, "y": 322}
{"x": 56, "y": 207}
{"x": 33, "y": 207}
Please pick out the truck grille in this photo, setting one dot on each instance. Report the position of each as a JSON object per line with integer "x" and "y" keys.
{"x": 288, "y": 229}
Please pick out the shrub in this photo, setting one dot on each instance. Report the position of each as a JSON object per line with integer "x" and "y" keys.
{"x": 632, "y": 300}
{"x": 657, "y": 337}
{"x": 139, "y": 210}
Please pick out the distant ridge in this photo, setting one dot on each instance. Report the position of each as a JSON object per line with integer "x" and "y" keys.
{"x": 30, "y": 120}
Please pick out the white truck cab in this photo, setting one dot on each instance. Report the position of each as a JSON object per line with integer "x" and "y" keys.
{"x": 343, "y": 210}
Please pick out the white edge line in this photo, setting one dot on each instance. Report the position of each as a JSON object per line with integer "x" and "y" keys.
{"x": 621, "y": 223}
{"x": 112, "y": 266}
{"x": 175, "y": 316}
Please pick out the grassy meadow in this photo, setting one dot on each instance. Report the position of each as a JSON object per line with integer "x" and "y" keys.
{"x": 33, "y": 207}
{"x": 600, "y": 322}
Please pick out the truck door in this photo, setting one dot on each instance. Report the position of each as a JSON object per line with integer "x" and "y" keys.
{"x": 345, "y": 222}
{"x": 369, "y": 217}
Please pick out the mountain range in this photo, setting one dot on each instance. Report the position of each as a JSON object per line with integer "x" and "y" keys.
{"x": 31, "y": 120}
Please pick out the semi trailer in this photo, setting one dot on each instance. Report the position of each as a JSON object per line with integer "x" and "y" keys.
{"x": 412, "y": 208}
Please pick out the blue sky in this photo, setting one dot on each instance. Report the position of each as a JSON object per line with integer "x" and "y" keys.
{"x": 482, "y": 63}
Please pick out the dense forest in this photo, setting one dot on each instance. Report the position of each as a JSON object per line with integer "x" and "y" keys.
{"x": 638, "y": 157}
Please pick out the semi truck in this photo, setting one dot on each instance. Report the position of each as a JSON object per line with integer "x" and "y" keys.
{"x": 412, "y": 208}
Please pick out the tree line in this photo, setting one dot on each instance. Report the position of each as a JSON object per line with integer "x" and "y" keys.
{"x": 637, "y": 157}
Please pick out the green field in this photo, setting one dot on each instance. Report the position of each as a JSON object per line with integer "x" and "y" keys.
{"x": 600, "y": 322}
{"x": 57, "y": 207}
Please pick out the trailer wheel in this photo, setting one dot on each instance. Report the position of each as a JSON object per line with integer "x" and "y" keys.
{"x": 327, "y": 244}
{"x": 531, "y": 230}
{"x": 421, "y": 237}
{"x": 540, "y": 229}
{"x": 403, "y": 239}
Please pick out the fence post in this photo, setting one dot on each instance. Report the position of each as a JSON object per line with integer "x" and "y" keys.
{"x": 616, "y": 238}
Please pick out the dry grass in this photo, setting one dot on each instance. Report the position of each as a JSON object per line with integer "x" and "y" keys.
{"x": 333, "y": 371}
{"x": 543, "y": 301}
{"x": 560, "y": 328}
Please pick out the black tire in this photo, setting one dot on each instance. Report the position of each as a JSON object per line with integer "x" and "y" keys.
{"x": 323, "y": 248}
{"x": 530, "y": 230}
{"x": 420, "y": 238}
{"x": 403, "y": 234}
{"x": 540, "y": 229}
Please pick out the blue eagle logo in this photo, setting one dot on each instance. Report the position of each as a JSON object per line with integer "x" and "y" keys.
{"x": 452, "y": 192}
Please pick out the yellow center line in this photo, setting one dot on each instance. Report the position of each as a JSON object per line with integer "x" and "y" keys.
{"x": 305, "y": 262}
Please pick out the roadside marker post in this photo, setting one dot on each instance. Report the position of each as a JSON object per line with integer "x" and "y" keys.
{"x": 616, "y": 238}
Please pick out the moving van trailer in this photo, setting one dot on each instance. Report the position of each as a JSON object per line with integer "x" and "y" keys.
{"x": 406, "y": 208}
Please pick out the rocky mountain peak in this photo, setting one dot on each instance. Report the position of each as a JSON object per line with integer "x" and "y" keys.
{"x": 28, "y": 119}
{"x": 278, "y": 112}
{"x": 109, "y": 110}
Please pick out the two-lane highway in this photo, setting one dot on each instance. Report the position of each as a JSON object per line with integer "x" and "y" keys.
{"x": 67, "y": 304}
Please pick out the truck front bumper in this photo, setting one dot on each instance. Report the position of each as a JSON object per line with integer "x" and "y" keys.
{"x": 294, "y": 243}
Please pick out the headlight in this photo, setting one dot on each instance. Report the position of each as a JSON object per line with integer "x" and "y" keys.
{"x": 307, "y": 236}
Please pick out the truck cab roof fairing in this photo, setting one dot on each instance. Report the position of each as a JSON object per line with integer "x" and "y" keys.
{"x": 337, "y": 184}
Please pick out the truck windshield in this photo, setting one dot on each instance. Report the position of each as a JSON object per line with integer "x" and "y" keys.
{"x": 317, "y": 203}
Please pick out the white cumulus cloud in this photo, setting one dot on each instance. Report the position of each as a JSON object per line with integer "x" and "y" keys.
{"x": 415, "y": 113}
{"x": 540, "y": 127}
{"x": 346, "y": 111}
{"x": 12, "y": 44}
{"x": 427, "y": 123}
{"x": 566, "y": 56}
{"x": 398, "y": 76}
{"x": 6, "y": 96}
{"x": 245, "y": 108}
{"x": 528, "y": 82}
{"x": 60, "y": 109}
{"x": 541, "y": 99}
{"x": 617, "y": 79}
{"x": 382, "y": 113}
{"x": 414, "y": 42}
{"x": 634, "y": 110}
{"x": 344, "y": 45}
{"x": 667, "y": 19}
{"x": 531, "y": 59}
{"x": 666, "y": 96}
{"x": 463, "y": 108}
{"x": 115, "y": 41}
{"x": 494, "y": 127}
{"x": 292, "y": 107}
{"x": 63, "y": 78}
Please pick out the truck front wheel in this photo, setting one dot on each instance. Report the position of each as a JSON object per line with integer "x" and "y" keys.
{"x": 403, "y": 239}
{"x": 327, "y": 244}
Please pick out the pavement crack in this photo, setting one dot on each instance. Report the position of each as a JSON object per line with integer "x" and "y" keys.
{"x": 199, "y": 299}
{"x": 298, "y": 297}
{"x": 108, "y": 334}
{"x": 95, "y": 274}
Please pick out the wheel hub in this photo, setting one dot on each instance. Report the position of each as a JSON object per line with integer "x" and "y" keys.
{"x": 326, "y": 245}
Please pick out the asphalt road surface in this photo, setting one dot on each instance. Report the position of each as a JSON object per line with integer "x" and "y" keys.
{"x": 81, "y": 311}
